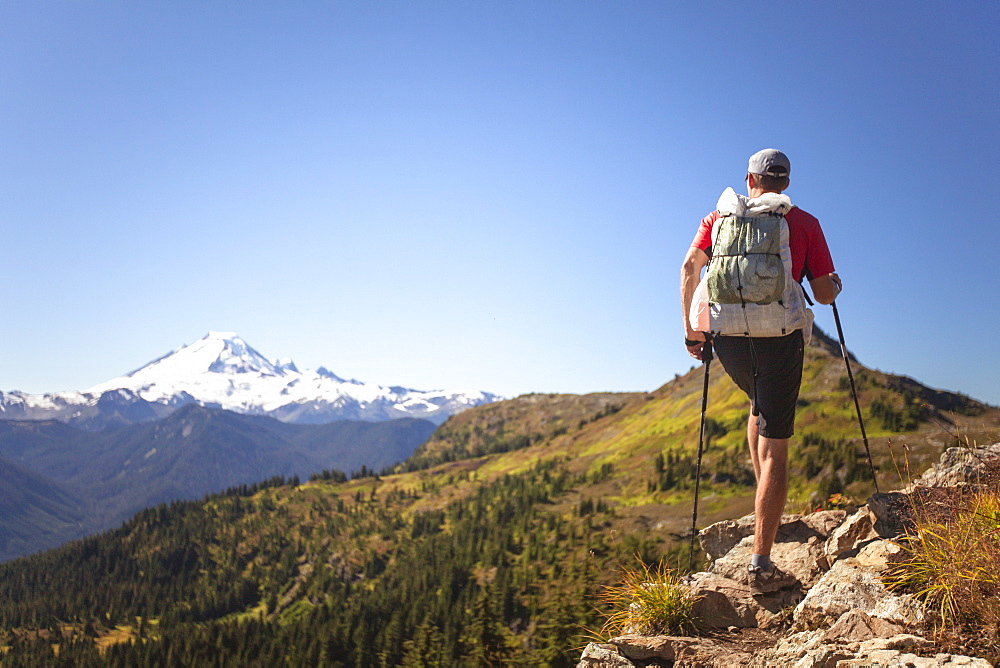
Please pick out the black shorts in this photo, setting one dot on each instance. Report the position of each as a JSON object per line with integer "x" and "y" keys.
{"x": 779, "y": 373}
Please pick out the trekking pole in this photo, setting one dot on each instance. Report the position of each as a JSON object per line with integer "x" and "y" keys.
{"x": 854, "y": 392}
{"x": 706, "y": 357}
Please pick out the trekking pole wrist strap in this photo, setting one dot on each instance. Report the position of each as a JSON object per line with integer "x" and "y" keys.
{"x": 689, "y": 342}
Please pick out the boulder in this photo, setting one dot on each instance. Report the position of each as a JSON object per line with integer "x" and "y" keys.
{"x": 849, "y": 535}
{"x": 630, "y": 651}
{"x": 721, "y": 602}
{"x": 958, "y": 466}
{"x": 669, "y": 648}
{"x": 803, "y": 650}
{"x": 823, "y": 522}
{"x": 718, "y": 539}
{"x": 875, "y": 555}
{"x": 813, "y": 649}
{"x": 899, "y": 641}
{"x": 800, "y": 556}
{"x": 603, "y": 655}
{"x": 853, "y": 584}
{"x": 892, "y": 657}
{"x": 855, "y": 626}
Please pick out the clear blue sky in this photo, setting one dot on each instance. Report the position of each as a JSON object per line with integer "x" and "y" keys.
{"x": 489, "y": 195}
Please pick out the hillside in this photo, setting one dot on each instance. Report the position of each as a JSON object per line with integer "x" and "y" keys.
{"x": 646, "y": 444}
{"x": 37, "y": 511}
{"x": 96, "y": 480}
{"x": 490, "y": 543}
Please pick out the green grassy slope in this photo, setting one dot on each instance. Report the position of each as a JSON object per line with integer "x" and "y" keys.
{"x": 648, "y": 442}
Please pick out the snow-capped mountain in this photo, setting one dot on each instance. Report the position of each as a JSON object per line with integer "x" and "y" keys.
{"x": 222, "y": 371}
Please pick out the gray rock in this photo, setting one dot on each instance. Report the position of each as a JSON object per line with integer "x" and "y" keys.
{"x": 603, "y": 655}
{"x": 898, "y": 642}
{"x": 850, "y": 585}
{"x": 893, "y": 658}
{"x": 798, "y": 551}
{"x": 677, "y": 651}
{"x": 855, "y": 626}
{"x": 875, "y": 555}
{"x": 849, "y": 535}
{"x": 803, "y": 650}
{"x": 717, "y": 539}
{"x": 815, "y": 649}
{"x": 722, "y": 602}
{"x": 958, "y": 466}
{"x": 645, "y": 648}
{"x": 824, "y": 522}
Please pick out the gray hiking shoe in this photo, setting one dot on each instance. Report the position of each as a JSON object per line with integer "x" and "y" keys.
{"x": 765, "y": 581}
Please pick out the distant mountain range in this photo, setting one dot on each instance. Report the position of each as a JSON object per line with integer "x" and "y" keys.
{"x": 205, "y": 417}
{"x": 60, "y": 482}
{"x": 222, "y": 371}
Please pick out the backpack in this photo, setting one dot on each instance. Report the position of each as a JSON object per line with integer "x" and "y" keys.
{"x": 748, "y": 288}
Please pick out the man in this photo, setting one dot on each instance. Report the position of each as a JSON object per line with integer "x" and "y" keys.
{"x": 764, "y": 361}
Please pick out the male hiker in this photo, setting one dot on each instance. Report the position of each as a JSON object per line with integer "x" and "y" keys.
{"x": 751, "y": 303}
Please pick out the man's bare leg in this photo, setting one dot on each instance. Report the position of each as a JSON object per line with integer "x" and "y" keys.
{"x": 770, "y": 468}
{"x": 772, "y": 490}
{"x": 753, "y": 443}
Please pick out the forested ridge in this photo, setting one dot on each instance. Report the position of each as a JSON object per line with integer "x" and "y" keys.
{"x": 301, "y": 576}
{"x": 487, "y": 549}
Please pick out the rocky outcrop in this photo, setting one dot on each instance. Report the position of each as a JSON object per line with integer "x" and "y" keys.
{"x": 834, "y": 608}
{"x": 853, "y": 585}
{"x": 957, "y": 466}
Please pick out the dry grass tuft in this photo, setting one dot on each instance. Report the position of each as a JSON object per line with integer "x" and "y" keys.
{"x": 951, "y": 560}
{"x": 649, "y": 601}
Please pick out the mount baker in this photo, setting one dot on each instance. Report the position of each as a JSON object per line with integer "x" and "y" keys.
{"x": 222, "y": 371}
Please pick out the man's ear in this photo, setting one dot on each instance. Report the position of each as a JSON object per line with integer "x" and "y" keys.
{"x": 750, "y": 181}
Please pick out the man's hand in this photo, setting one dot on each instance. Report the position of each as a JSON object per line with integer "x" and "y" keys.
{"x": 695, "y": 343}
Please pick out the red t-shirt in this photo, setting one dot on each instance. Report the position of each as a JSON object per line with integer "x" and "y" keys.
{"x": 810, "y": 254}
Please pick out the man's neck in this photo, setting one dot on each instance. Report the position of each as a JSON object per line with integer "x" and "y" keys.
{"x": 755, "y": 192}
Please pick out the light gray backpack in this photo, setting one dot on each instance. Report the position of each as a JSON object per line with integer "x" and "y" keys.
{"x": 748, "y": 289}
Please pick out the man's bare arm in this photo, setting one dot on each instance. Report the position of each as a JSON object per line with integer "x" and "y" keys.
{"x": 694, "y": 262}
{"x": 826, "y": 288}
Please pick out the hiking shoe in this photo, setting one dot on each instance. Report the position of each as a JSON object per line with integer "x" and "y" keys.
{"x": 765, "y": 581}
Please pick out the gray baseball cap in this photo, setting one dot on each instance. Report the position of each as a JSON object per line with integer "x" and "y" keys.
{"x": 771, "y": 162}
